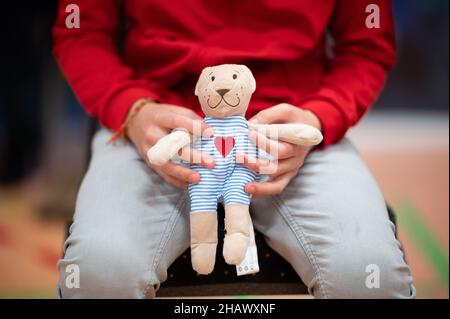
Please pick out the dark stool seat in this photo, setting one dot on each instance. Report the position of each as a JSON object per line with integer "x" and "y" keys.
{"x": 276, "y": 276}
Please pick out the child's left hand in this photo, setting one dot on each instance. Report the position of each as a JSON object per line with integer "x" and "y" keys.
{"x": 290, "y": 157}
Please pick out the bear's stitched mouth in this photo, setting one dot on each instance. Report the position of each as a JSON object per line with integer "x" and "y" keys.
{"x": 223, "y": 99}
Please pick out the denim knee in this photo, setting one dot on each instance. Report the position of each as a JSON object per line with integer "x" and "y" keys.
{"x": 375, "y": 272}
{"x": 99, "y": 269}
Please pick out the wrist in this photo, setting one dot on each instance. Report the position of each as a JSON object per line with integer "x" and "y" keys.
{"x": 136, "y": 110}
{"x": 133, "y": 112}
{"x": 306, "y": 116}
{"x": 313, "y": 120}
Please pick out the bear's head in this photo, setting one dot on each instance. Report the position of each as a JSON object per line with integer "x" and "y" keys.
{"x": 225, "y": 90}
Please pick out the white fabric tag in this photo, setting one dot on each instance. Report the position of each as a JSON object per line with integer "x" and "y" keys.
{"x": 250, "y": 263}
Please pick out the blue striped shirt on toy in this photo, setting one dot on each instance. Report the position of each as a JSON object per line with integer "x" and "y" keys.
{"x": 226, "y": 181}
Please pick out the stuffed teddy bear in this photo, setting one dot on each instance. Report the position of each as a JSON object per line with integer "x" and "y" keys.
{"x": 224, "y": 92}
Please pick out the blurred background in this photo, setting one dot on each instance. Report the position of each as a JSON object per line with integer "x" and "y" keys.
{"x": 44, "y": 138}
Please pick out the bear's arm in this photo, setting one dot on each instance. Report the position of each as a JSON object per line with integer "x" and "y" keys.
{"x": 168, "y": 146}
{"x": 299, "y": 134}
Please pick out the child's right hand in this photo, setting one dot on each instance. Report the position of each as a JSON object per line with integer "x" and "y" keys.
{"x": 156, "y": 120}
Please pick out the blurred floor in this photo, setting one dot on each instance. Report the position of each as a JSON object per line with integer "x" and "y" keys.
{"x": 408, "y": 154}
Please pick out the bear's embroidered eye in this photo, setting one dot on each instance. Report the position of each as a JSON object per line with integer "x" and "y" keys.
{"x": 234, "y": 76}
{"x": 213, "y": 78}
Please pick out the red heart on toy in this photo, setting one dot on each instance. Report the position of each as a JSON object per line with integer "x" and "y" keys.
{"x": 224, "y": 144}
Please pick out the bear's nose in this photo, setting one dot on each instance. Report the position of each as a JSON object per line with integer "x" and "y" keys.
{"x": 222, "y": 92}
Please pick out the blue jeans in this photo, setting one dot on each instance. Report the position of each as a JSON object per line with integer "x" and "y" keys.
{"x": 330, "y": 223}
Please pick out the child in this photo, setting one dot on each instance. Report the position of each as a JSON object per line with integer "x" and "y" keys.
{"x": 321, "y": 210}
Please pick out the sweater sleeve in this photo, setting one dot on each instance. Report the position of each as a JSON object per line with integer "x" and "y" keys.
{"x": 89, "y": 58}
{"x": 357, "y": 72}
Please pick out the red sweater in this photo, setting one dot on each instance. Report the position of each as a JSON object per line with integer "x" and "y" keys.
{"x": 167, "y": 43}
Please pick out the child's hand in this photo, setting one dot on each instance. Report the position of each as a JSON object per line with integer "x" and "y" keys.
{"x": 290, "y": 157}
{"x": 156, "y": 120}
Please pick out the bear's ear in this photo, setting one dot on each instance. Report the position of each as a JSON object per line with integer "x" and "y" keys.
{"x": 201, "y": 78}
{"x": 250, "y": 77}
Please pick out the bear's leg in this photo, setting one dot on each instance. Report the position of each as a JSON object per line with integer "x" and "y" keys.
{"x": 237, "y": 219}
{"x": 203, "y": 241}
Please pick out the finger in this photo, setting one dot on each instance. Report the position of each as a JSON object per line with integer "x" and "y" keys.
{"x": 194, "y": 156}
{"x": 264, "y": 143}
{"x": 287, "y": 165}
{"x": 153, "y": 134}
{"x": 180, "y": 172}
{"x": 172, "y": 120}
{"x": 256, "y": 164}
{"x": 279, "y": 113}
{"x": 171, "y": 180}
{"x": 273, "y": 187}
{"x": 277, "y": 149}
